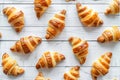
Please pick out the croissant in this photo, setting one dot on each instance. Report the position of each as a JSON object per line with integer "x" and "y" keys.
{"x": 26, "y": 44}
{"x": 110, "y": 34}
{"x": 40, "y": 77}
{"x": 49, "y": 60}
{"x": 101, "y": 66}
{"x": 0, "y": 34}
{"x": 40, "y": 6}
{"x": 114, "y": 7}
{"x": 88, "y": 17}
{"x": 80, "y": 48}
{"x": 10, "y": 66}
{"x": 15, "y": 17}
{"x": 56, "y": 25}
{"x": 73, "y": 74}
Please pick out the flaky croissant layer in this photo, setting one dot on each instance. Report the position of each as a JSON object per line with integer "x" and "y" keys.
{"x": 15, "y": 17}
{"x": 49, "y": 59}
{"x": 88, "y": 17}
{"x": 26, "y": 44}
{"x": 10, "y": 66}
{"x": 80, "y": 48}
{"x": 101, "y": 66}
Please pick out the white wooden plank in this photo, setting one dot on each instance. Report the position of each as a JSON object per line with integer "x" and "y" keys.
{"x": 60, "y": 1}
{"x": 82, "y": 32}
{"x": 71, "y": 19}
{"x": 58, "y": 72}
{"x": 95, "y": 51}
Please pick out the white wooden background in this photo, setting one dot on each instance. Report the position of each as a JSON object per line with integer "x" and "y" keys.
{"x": 33, "y": 26}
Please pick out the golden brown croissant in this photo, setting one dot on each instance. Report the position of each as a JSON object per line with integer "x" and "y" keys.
{"x": 40, "y": 6}
{"x": 49, "y": 60}
{"x": 80, "y": 48}
{"x": 101, "y": 66}
{"x": 15, "y": 17}
{"x": 40, "y": 77}
{"x": 87, "y": 16}
{"x": 26, "y": 44}
{"x": 114, "y": 7}
{"x": 73, "y": 74}
{"x": 10, "y": 66}
{"x": 56, "y": 25}
{"x": 110, "y": 34}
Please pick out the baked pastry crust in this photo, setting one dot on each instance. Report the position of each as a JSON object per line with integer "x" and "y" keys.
{"x": 26, "y": 44}
{"x": 49, "y": 60}
{"x": 101, "y": 66}
{"x": 56, "y": 25}
{"x": 88, "y": 17}
{"x": 15, "y": 18}
{"x": 110, "y": 34}
{"x": 80, "y": 48}
{"x": 10, "y": 66}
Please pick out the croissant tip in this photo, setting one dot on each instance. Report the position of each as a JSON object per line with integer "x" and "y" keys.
{"x": 94, "y": 78}
{"x": 37, "y": 66}
{"x": 22, "y": 71}
{"x": 70, "y": 39}
{"x": 12, "y": 49}
{"x": 39, "y": 39}
{"x": 109, "y": 54}
{"x": 40, "y": 74}
{"x": 77, "y": 67}
{"x": 108, "y": 11}
{"x": 4, "y": 55}
{"x": 62, "y": 56}
{"x": 63, "y": 11}
{"x": 101, "y": 39}
{"x": 4, "y": 10}
{"x": 47, "y": 36}
{"x": 78, "y": 5}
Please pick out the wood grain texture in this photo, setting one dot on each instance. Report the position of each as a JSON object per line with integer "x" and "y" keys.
{"x": 33, "y": 26}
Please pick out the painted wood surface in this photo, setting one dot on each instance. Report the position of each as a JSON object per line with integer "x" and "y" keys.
{"x": 36, "y": 27}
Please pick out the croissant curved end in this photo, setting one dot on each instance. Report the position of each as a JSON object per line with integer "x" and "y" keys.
{"x": 37, "y": 66}
{"x": 21, "y": 71}
{"x": 70, "y": 39}
{"x": 5, "y": 55}
{"x": 40, "y": 74}
{"x": 108, "y": 10}
{"x": 77, "y": 68}
{"x": 109, "y": 54}
{"x": 13, "y": 49}
{"x": 4, "y": 10}
{"x": 63, "y": 11}
{"x": 78, "y": 5}
{"x": 47, "y": 36}
{"x": 101, "y": 39}
{"x": 62, "y": 56}
{"x": 39, "y": 40}
{"x": 94, "y": 78}
{"x": 101, "y": 22}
